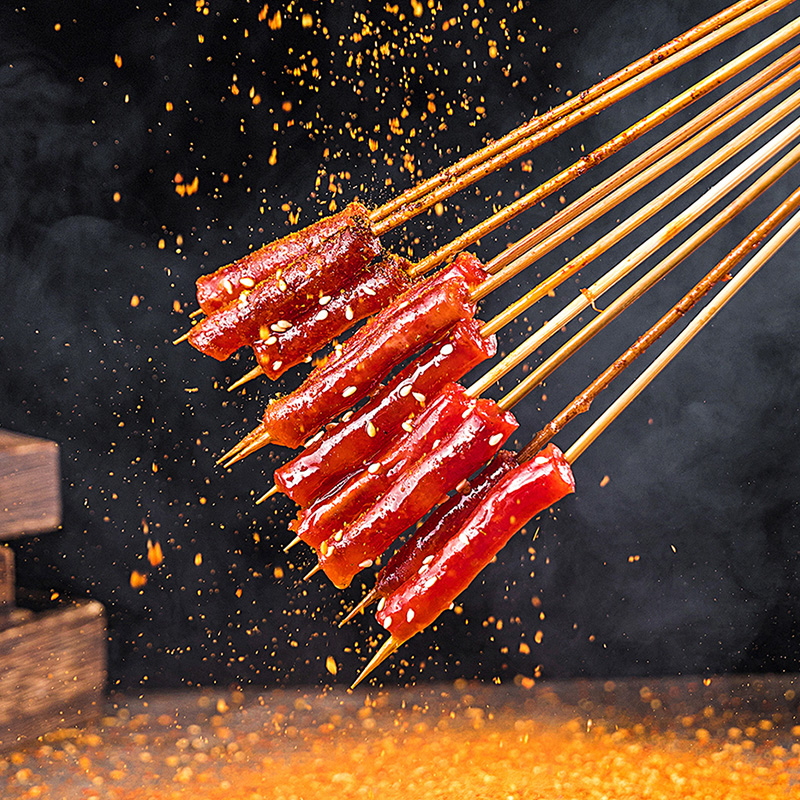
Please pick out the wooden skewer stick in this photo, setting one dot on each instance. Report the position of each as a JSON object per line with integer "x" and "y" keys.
{"x": 365, "y": 601}
{"x": 657, "y": 240}
{"x": 583, "y": 401}
{"x": 386, "y": 649}
{"x": 291, "y": 544}
{"x": 694, "y": 327}
{"x": 604, "y": 151}
{"x": 641, "y": 171}
{"x": 254, "y": 373}
{"x": 264, "y": 497}
{"x": 542, "y": 121}
{"x": 627, "y": 298}
{"x": 256, "y": 439}
{"x": 510, "y": 151}
{"x": 623, "y": 229}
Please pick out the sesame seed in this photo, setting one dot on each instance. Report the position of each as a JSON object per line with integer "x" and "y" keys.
{"x": 371, "y": 429}
{"x": 323, "y": 548}
{"x": 427, "y": 559}
{"x": 419, "y": 397}
{"x": 422, "y": 569}
{"x": 227, "y": 285}
{"x": 366, "y": 564}
{"x": 370, "y": 292}
{"x": 496, "y": 439}
{"x": 275, "y": 327}
{"x": 276, "y": 365}
{"x": 463, "y": 487}
{"x": 322, "y": 315}
{"x": 407, "y": 427}
{"x": 346, "y": 416}
{"x": 447, "y": 350}
{"x": 323, "y": 301}
{"x": 373, "y": 468}
{"x": 315, "y": 438}
{"x": 349, "y": 390}
{"x": 348, "y": 312}
{"x": 381, "y": 604}
{"x": 337, "y": 537}
{"x": 466, "y": 413}
{"x": 436, "y": 444}
{"x": 405, "y": 390}
{"x": 272, "y": 340}
{"x": 284, "y": 324}
{"x": 248, "y": 282}
{"x": 410, "y": 615}
{"x": 387, "y": 622}
{"x": 282, "y": 285}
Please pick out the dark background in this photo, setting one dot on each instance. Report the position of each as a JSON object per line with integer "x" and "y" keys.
{"x": 142, "y": 144}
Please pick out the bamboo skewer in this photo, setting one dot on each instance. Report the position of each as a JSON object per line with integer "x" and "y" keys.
{"x": 516, "y": 147}
{"x": 539, "y": 122}
{"x": 694, "y": 327}
{"x": 541, "y": 373}
{"x": 641, "y": 171}
{"x": 702, "y": 204}
{"x": 611, "y": 147}
{"x": 583, "y": 401}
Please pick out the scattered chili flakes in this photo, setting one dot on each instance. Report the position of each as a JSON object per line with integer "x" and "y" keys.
{"x": 138, "y": 579}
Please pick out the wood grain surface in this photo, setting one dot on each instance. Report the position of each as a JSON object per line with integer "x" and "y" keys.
{"x": 30, "y": 485}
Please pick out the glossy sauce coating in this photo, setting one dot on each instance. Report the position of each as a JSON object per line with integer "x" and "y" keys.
{"x": 420, "y": 315}
{"x": 345, "y": 447}
{"x": 331, "y": 316}
{"x": 518, "y": 496}
{"x": 330, "y": 513}
{"x": 218, "y": 288}
{"x": 299, "y": 285}
{"x": 416, "y": 491}
{"x": 427, "y": 540}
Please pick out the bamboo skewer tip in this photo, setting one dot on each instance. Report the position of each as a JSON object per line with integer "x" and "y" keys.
{"x": 254, "y": 373}
{"x": 264, "y": 497}
{"x": 182, "y": 338}
{"x": 363, "y": 603}
{"x": 386, "y": 649}
{"x": 291, "y": 544}
{"x": 312, "y": 572}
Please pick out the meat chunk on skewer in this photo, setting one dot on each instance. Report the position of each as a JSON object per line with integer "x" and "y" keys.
{"x": 217, "y": 289}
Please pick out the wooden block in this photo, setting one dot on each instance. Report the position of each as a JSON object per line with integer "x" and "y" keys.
{"x": 52, "y": 671}
{"x": 30, "y": 485}
{"x": 6, "y": 576}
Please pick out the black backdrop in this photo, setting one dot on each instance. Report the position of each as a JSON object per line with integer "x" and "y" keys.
{"x": 142, "y": 144}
